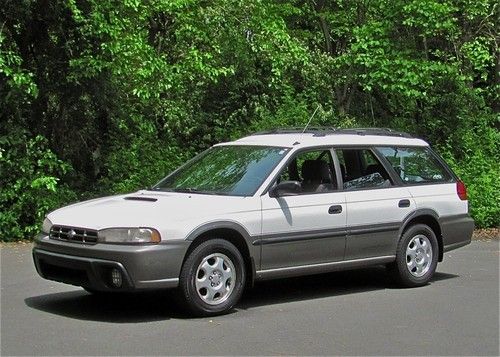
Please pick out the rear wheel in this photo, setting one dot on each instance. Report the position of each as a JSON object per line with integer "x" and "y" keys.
{"x": 416, "y": 256}
{"x": 212, "y": 278}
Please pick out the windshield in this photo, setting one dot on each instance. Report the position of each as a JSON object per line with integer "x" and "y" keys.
{"x": 225, "y": 170}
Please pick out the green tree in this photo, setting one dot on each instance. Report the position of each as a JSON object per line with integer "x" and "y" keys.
{"x": 105, "y": 96}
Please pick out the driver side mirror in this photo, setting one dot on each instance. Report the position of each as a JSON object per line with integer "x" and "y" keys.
{"x": 286, "y": 188}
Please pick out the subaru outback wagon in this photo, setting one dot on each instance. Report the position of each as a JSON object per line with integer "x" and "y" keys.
{"x": 270, "y": 205}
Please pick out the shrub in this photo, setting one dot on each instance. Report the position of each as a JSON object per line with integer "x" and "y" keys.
{"x": 140, "y": 163}
{"x": 476, "y": 162}
{"x": 29, "y": 177}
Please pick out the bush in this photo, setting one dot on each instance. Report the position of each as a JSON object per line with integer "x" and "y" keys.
{"x": 30, "y": 175}
{"x": 477, "y": 165}
{"x": 140, "y": 163}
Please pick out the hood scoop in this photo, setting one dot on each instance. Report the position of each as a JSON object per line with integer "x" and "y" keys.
{"x": 139, "y": 198}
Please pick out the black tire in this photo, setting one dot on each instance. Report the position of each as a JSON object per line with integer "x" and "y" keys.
{"x": 189, "y": 295}
{"x": 400, "y": 269}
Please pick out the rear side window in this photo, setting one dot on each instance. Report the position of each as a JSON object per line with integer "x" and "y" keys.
{"x": 360, "y": 169}
{"x": 415, "y": 164}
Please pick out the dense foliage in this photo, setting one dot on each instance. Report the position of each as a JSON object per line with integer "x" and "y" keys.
{"x": 105, "y": 96}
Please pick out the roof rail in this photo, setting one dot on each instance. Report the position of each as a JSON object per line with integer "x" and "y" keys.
{"x": 374, "y": 131}
{"x": 323, "y": 131}
{"x": 297, "y": 130}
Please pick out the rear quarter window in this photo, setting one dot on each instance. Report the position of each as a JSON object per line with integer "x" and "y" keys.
{"x": 415, "y": 164}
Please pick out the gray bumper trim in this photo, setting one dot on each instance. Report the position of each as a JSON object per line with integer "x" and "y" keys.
{"x": 88, "y": 272}
{"x": 173, "y": 282}
{"x": 146, "y": 266}
{"x": 449, "y": 247}
{"x": 456, "y": 231}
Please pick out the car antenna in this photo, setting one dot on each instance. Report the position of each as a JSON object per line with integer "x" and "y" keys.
{"x": 312, "y": 116}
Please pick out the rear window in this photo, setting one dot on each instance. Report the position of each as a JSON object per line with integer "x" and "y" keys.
{"x": 415, "y": 164}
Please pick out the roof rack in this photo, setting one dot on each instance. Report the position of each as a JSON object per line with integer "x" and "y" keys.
{"x": 297, "y": 130}
{"x": 323, "y": 131}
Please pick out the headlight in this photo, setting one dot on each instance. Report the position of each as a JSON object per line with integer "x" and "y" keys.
{"x": 129, "y": 235}
{"x": 46, "y": 226}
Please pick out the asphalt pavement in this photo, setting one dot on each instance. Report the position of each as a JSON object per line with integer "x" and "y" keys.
{"x": 345, "y": 313}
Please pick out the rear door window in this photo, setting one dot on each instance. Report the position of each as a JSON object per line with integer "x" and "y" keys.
{"x": 415, "y": 164}
{"x": 361, "y": 169}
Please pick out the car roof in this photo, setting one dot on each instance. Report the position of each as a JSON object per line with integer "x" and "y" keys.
{"x": 334, "y": 137}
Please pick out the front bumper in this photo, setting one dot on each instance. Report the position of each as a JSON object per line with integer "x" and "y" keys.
{"x": 142, "y": 266}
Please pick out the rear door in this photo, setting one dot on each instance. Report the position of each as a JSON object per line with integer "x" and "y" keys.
{"x": 376, "y": 205}
{"x": 310, "y": 227}
{"x": 433, "y": 188}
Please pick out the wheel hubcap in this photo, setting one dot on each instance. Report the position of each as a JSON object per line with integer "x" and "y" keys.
{"x": 215, "y": 278}
{"x": 419, "y": 255}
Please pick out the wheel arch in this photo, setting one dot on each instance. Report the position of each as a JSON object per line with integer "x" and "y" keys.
{"x": 428, "y": 217}
{"x": 231, "y": 232}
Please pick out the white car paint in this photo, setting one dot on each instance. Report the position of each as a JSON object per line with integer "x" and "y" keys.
{"x": 175, "y": 215}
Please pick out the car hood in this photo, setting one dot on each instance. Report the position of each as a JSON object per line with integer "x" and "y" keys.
{"x": 147, "y": 209}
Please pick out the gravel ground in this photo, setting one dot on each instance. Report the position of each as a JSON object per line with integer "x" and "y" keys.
{"x": 486, "y": 234}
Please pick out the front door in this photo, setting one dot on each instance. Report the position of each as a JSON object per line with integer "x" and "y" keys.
{"x": 309, "y": 227}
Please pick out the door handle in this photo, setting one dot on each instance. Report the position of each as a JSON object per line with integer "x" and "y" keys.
{"x": 335, "y": 209}
{"x": 404, "y": 203}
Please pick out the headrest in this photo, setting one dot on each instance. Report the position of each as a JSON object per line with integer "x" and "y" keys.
{"x": 316, "y": 171}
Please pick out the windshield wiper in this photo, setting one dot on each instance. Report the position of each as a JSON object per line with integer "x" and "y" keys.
{"x": 186, "y": 189}
{"x": 193, "y": 190}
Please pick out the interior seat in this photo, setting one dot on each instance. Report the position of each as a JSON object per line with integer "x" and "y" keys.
{"x": 373, "y": 168}
{"x": 316, "y": 176}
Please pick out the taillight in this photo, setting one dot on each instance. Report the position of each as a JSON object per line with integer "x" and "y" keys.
{"x": 461, "y": 191}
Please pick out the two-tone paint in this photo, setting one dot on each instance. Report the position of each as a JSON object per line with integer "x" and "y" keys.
{"x": 278, "y": 237}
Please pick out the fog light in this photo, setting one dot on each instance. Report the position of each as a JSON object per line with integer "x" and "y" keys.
{"x": 116, "y": 278}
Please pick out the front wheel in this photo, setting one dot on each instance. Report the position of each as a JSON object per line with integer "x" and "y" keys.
{"x": 416, "y": 256}
{"x": 212, "y": 278}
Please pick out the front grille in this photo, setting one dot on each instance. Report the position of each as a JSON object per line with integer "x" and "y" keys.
{"x": 72, "y": 234}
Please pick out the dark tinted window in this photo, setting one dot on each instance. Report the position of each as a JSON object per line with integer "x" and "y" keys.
{"x": 415, "y": 164}
{"x": 361, "y": 169}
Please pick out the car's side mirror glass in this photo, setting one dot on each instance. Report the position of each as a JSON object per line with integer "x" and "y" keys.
{"x": 286, "y": 188}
